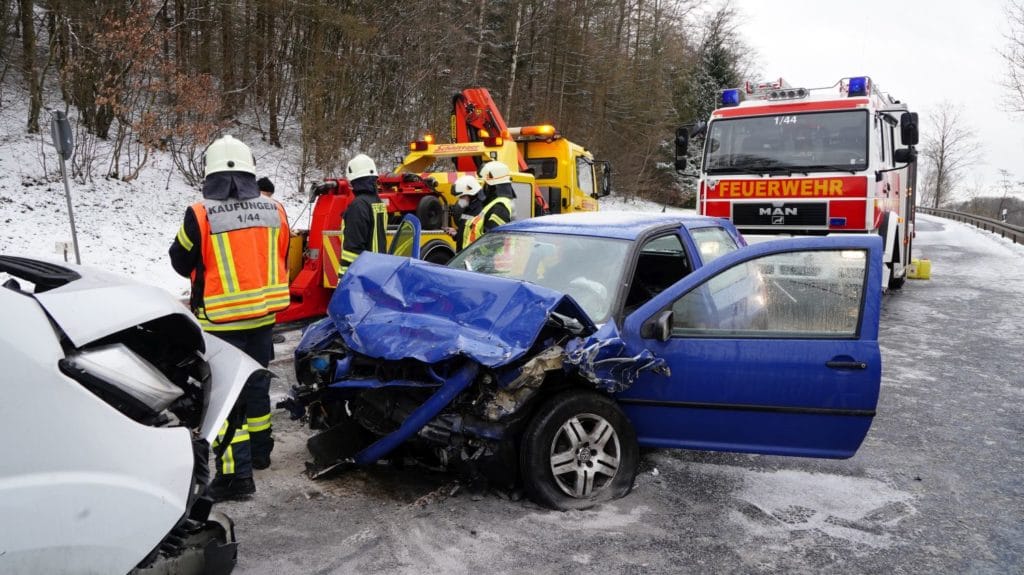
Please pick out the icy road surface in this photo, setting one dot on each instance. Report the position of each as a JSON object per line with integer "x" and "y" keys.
{"x": 937, "y": 487}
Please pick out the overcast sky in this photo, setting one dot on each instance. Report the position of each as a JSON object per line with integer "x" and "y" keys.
{"x": 921, "y": 52}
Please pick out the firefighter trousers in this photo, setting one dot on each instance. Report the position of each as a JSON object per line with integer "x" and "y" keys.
{"x": 252, "y": 437}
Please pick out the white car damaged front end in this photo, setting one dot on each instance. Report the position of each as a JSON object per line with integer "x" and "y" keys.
{"x": 112, "y": 397}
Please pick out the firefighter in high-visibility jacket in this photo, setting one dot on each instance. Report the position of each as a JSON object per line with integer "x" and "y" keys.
{"x": 234, "y": 245}
{"x": 498, "y": 197}
{"x": 467, "y": 206}
{"x": 365, "y": 222}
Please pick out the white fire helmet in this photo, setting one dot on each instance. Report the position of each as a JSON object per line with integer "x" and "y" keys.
{"x": 360, "y": 167}
{"x": 226, "y": 154}
{"x": 466, "y": 186}
{"x": 495, "y": 173}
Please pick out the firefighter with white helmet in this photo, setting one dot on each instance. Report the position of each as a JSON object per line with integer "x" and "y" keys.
{"x": 469, "y": 205}
{"x": 498, "y": 196}
{"x": 365, "y": 223}
{"x": 233, "y": 245}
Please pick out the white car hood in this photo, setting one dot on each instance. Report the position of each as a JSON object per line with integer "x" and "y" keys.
{"x": 102, "y": 303}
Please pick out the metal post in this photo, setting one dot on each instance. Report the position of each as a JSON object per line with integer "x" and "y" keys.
{"x": 71, "y": 213}
{"x": 64, "y": 142}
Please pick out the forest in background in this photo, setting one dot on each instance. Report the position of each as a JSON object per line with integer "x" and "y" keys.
{"x": 336, "y": 77}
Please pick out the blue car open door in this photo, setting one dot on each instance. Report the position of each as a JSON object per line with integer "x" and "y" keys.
{"x": 772, "y": 349}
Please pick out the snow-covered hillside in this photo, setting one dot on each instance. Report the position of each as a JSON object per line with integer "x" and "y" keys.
{"x": 125, "y": 227}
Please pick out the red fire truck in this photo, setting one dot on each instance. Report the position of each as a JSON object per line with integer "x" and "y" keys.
{"x": 811, "y": 161}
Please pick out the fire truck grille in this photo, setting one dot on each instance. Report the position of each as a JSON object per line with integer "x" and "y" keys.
{"x": 768, "y": 214}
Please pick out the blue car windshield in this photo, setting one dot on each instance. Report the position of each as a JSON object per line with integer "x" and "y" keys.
{"x": 587, "y": 268}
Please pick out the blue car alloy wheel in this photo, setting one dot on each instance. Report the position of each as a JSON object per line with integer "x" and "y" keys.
{"x": 579, "y": 450}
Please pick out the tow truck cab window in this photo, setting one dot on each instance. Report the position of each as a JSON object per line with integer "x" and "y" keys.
{"x": 712, "y": 242}
{"x": 523, "y": 204}
{"x": 662, "y": 262}
{"x": 543, "y": 168}
{"x": 795, "y": 295}
{"x": 585, "y": 175}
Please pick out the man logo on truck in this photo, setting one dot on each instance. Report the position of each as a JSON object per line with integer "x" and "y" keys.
{"x": 776, "y": 212}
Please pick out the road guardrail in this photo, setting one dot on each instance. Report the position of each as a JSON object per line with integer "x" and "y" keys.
{"x": 1005, "y": 230}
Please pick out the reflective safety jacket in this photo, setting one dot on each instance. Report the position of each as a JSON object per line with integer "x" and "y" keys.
{"x": 497, "y": 212}
{"x": 235, "y": 252}
{"x": 465, "y": 216}
{"x": 364, "y": 227}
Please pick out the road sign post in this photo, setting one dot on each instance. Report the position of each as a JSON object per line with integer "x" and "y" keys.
{"x": 64, "y": 141}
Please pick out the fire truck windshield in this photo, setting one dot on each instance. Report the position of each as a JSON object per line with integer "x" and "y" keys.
{"x": 791, "y": 143}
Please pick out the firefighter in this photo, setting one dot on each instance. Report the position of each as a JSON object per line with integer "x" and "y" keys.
{"x": 497, "y": 201}
{"x": 469, "y": 205}
{"x": 233, "y": 245}
{"x": 266, "y": 187}
{"x": 364, "y": 224}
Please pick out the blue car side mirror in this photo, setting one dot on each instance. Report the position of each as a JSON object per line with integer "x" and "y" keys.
{"x": 658, "y": 327}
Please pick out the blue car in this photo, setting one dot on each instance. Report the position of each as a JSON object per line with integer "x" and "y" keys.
{"x": 547, "y": 352}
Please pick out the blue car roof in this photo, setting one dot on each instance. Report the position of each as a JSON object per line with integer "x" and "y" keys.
{"x": 619, "y": 225}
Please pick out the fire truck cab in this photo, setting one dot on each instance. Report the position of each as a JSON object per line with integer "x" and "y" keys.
{"x": 811, "y": 161}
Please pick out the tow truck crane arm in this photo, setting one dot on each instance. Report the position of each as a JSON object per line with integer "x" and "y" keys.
{"x": 475, "y": 114}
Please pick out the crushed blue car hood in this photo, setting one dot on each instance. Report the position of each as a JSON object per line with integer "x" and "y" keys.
{"x": 395, "y": 308}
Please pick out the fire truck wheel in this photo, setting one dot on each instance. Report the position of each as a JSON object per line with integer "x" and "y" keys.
{"x": 896, "y": 283}
{"x": 430, "y": 211}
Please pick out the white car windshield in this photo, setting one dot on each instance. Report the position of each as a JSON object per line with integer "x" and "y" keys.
{"x": 587, "y": 268}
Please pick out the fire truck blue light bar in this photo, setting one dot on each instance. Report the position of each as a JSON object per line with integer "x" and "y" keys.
{"x": 858, "y": 86}
{"x": 731, "y": 97}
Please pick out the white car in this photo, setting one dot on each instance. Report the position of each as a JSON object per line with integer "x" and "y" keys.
{"x": 112, "y": 397}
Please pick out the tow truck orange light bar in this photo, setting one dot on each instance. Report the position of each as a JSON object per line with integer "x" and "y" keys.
{"x": 542, "y": 130}
{"x": 420, "y": 145}
{"x": 538, "y": 132}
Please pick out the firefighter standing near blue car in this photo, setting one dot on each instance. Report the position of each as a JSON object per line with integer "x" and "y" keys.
{"x": 234, "y": 245}
{"x": 467, "y": 206}
{"x": 498, "y": 196}
{"x": 365, "y": 222}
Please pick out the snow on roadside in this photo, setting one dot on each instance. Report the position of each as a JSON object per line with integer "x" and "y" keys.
{"x": 620, "y": 204}
{"x": 123, "y": 227}
{"x": 966, "y": 235}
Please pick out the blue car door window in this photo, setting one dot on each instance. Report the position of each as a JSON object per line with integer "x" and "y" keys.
{"x": 661, "y": 262}
{"x": 796, "y": 294}
{"x": 713, "y": 242}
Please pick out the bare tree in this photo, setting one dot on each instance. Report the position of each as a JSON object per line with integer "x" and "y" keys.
{"x": 1013, "y": 55}
{"x": 29, "y": 66}
{"x": 950, "y": 148}
{"x": 1008, "y": 188}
